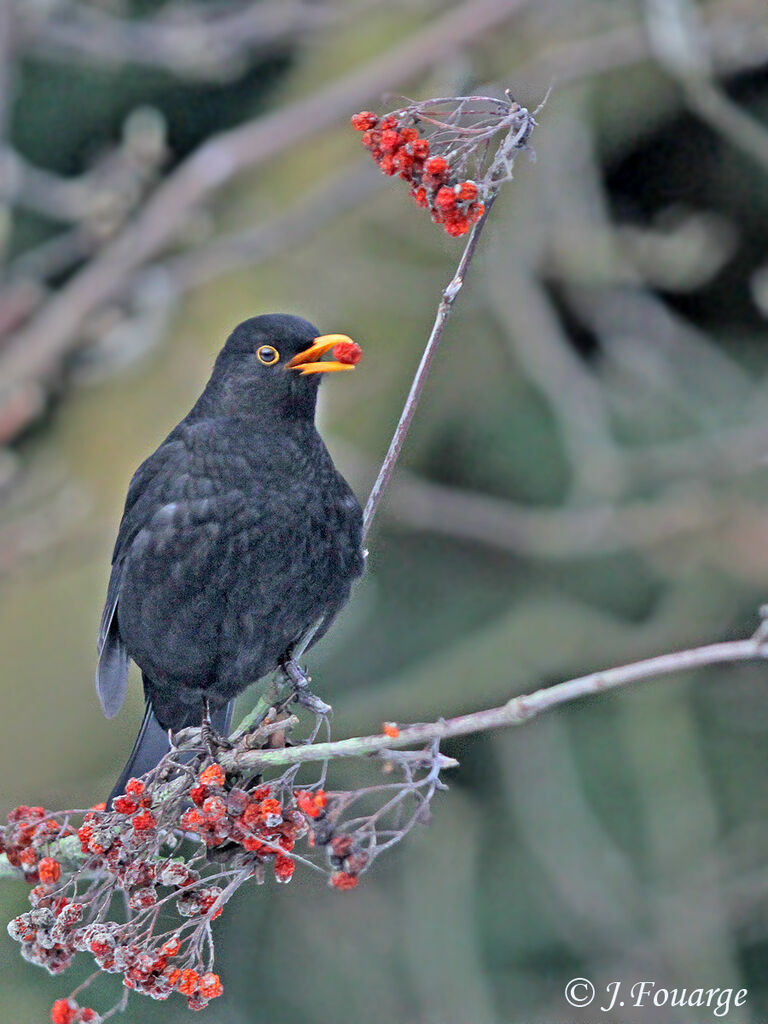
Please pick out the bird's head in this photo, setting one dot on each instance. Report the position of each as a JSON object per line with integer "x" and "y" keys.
{"x": 273, "y": 364}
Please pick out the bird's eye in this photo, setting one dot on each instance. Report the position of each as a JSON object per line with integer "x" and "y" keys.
{"x": 268, "y": 355}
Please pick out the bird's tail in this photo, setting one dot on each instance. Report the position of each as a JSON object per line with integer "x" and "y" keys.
{"x": 152, "y": 745}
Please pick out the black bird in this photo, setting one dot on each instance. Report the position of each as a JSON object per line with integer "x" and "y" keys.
{"x": 238, "y": 534}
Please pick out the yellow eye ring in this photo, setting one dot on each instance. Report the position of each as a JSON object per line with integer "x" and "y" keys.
{"x": 268, "y": 355}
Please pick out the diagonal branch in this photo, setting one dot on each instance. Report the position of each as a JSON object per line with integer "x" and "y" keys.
{"x": 417, "y": 386}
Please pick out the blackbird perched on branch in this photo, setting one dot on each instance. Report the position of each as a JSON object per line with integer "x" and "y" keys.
{"x": 238, "y": 536}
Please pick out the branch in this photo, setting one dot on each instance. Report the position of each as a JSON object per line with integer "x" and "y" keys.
{"x": 678, "y": 42}
{"x": 417, "y": 386}
{"x": 516, "y": 711}
{"x": 183, "y": 39}
{"x": 324, "y": 203}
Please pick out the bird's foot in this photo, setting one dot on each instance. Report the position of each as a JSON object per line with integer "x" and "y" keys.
{"x": 301, "y": 693}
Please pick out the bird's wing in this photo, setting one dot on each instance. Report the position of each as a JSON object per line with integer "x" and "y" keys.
{"x": 112, "y": 666}
{"x": 148, "y": 491}
{"x": 183, "y": 572}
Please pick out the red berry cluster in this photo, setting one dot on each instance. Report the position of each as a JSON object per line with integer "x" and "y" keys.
{"x": 399, "y": 149}
{"x": 161, "y": 845}
{"x": 253, "y": 819}
{"x": 124, "y": 844}
{"x": 46, "y": 933}
{"x": 28, "y": 832}
{"x": 147, "y": 969}
{"x": 345, "y": 858}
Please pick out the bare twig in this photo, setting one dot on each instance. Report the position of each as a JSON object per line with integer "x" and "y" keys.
{"x": 417, "y": 386}
{"x": 185, "y": 39}
{"x": 735, "y": 44}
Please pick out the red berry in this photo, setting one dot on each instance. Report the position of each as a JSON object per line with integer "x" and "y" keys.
{"x": 213, "y": 775}
{"x": 170, "y": 947}
{"x": 143, "y": 822}
{"x": 311, "y": 804}
{"x": 457, "y": 227}
{"x": 214, "y": 808}
{"x": 467, "y": 191}
{"x": 49, "y": 870}
{"x": 284, "y": 868}
{"x": 404, "y": 163}
{"x": 342, "y": 846}
{"x": 436, "y": 165}
{"x": 445, "y": 198}
{"x": 387, "y": 164}
{"x": 348, "y": 352}
{"x": 124, "y": 805}
{"x": 64, "y": 1011}
{"x": 390, "y": 140}
{"x": 364, "y": 120}
{"x": 198, "y": 794}
{"x": 420, "y": 196}
{"x": 135, "y": 787}
{"x": 210, "y": 986}
{"x": 188, "y": 982}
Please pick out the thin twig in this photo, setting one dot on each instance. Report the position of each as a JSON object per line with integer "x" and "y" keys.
{"x": 417, "y": 386}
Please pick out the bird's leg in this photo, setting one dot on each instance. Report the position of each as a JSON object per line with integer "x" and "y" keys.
{"x": 206, "y": 729}
{"x": 208, "y": 735}
{"x": 299, "y": 682}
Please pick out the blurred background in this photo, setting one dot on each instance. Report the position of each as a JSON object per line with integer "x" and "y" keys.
{"x": 585, "y": 483}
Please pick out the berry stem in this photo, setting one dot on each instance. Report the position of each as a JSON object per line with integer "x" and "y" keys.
{"x": 444, "y": 310}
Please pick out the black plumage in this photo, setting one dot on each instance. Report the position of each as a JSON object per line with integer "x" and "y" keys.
{"x": 238, "y": 535}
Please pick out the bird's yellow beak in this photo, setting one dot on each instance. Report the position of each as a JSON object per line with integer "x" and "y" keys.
{"x": 308, "y": 360}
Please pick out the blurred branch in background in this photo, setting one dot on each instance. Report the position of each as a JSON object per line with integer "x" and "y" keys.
{"x": 678, "y": 43}
{"x": 192, "y": 40}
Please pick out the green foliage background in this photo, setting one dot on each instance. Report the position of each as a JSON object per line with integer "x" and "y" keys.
{"x": 623, "y": 838}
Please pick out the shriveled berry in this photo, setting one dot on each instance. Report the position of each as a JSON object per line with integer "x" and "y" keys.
{"x": 210, "y": 986}
{"x": 343, "y": 880}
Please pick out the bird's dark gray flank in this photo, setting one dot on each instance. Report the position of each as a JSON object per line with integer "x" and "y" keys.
{"x": 238, "y": 534}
